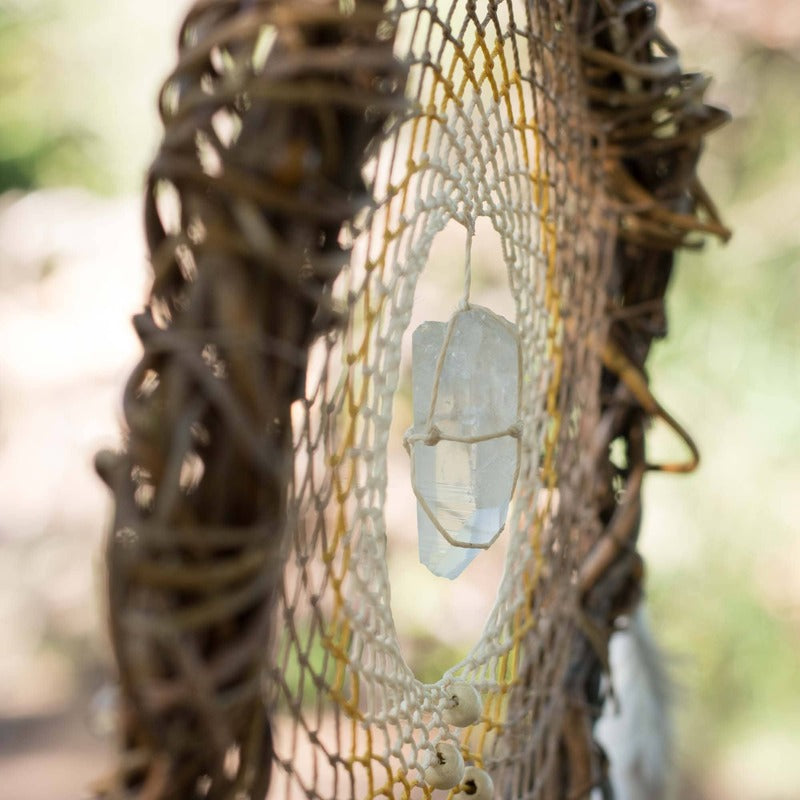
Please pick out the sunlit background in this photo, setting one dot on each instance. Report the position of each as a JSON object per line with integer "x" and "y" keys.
{"x": 78, "y": 80}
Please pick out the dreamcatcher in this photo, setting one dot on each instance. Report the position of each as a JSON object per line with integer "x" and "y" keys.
{"x": 312, "y": 152}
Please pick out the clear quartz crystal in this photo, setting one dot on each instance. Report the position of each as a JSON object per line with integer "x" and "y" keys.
{"x": 466, "y": 486}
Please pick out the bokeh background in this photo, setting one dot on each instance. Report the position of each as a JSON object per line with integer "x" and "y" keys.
{"x": 78, "y": 80}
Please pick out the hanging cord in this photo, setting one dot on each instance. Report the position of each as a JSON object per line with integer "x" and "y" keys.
{"x": 464, "y": 304}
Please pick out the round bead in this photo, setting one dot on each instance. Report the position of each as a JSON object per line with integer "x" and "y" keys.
{"x": 476, "y": 784}
{"x": 446, "y": 768}
{"x": 462, "y": 705}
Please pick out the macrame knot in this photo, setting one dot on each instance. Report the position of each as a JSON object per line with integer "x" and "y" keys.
{"x": 515, "y": 430}
{"x": 433, "y": 436}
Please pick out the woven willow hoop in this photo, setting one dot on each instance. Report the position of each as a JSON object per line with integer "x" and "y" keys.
{"x": 312, "y": 151}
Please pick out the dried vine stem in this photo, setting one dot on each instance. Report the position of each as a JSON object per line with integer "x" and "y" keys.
{"x": 654, "y": 122}
{"x": 268, "y": 117}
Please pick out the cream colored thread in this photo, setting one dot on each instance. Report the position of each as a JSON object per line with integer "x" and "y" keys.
{"x": 481, "y": 158}
{"x": 464, "y": 304}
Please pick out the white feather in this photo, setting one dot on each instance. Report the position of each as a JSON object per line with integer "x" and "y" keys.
{"x": 636, "y": 729}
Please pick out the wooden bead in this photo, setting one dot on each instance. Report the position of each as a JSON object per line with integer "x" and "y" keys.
{"x": 476, "y": 784}
{"x": 446, "y": 768}
{"x": 462, "y": 706}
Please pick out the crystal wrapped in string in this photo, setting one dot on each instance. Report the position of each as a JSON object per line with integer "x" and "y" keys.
{"x": 465, "y": 377}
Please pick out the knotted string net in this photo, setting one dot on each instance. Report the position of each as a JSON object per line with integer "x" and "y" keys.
{"x": 494, "y": 127}
{"x": 312, "y": 153}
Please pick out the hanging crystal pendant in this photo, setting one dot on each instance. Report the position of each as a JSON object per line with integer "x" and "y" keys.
{"x": 463, "y": 446}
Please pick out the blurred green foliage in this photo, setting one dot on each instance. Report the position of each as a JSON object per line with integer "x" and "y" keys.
{"x": 35, "y": 147}
{"x": 723, "y": 545}
{"x": 78, "y": 87}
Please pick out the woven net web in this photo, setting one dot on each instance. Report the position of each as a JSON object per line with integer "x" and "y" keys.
{"x": 312, "y": 153}
{"x": 495, "y": 129}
